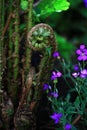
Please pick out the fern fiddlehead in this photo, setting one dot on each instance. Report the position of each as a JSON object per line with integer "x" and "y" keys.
{"x": 41, "y": 39}
{"x": 41, "y": 36}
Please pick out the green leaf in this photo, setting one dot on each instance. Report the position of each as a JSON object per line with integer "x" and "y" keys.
{"x": 70, "y": 110}
{"x": 77, "y": 102}
{"x": 83, "y": 105}
{"x": 84, "y": 90}
{"x": 47, "y": 7}
{"x": 24, "y": 4}
{"x": 68, "y": 98}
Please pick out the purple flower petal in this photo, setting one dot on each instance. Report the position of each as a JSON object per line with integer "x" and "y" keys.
{"x": 56, "y": 54}
{"x": 84, "y": 58}
{"x": 76, "y": 67}
{"x": 75, "y": 75}
{"x": 80, "y": 58}
{"x": 55, "y": 75}
{"x": 59, "y": 74}
{"x": 56, "y": 117}
{"x": 56, "y": 121}
{"x": 82, "y": 47}
{"x": 54, "y": 94}
{"x": 45, "y": 86}
{"x": 83, "y": 73}
{"x": 78, "y": 52}
{"x": 67, "y": 127}
{"x": 83, "y": 76}
{"x": 85, "y": 2}
{"x": 85, "y": 51}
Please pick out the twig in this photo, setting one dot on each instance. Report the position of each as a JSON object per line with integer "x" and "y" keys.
{"x": 77, "y": 119}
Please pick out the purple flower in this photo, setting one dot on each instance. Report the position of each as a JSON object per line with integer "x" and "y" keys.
{"x": 82, "y": 53}
{"x": 56, "y": 54}
{"x": 83, "y": 73}
{"x": 55, "y": 75}
{"x": 56, "y": 117}
{"x": 76, "y": 67}
{"x": 85, "y": 2}
{"x": 75, "y": 74}
{"x": 54, "y": 94}
{"x": 67, "y": 127}
{"x": 46, "y": 86}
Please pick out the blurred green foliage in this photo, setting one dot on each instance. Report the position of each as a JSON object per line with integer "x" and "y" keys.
{"x": 64, "y": 47}
{"x": 24, "y": 4}
{"x": 47, "y": 7}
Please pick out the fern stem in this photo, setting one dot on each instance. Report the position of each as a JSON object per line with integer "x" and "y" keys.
{"x": 10, "y": 38}
{"x": 10, "y": 48}
{"x": 1, "y": 38}
{"x": 29, "y": 26}
{"x": 16, "y": 45}
{"x": 30, "y": 11}
{"x": 15, "y": 58}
